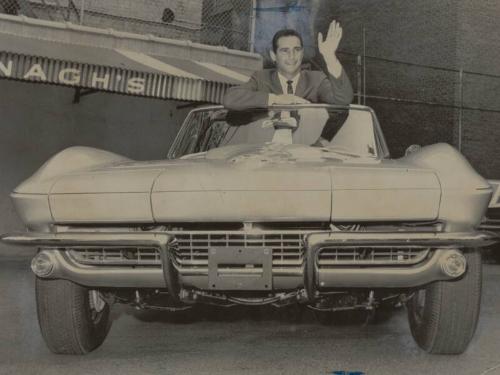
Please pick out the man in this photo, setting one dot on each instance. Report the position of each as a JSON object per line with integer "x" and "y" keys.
{"x": 272, "y": 86}
{"x": 288, "y": 84}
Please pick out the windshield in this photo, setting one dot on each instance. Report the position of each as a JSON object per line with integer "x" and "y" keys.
{"x": 347, "y": 131}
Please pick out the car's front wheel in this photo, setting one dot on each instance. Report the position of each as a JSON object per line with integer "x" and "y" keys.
{"x": 72, "y": 318}
{"x": 443, "y": 316}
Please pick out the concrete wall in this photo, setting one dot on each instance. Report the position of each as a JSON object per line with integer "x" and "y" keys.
{"x": 38, "y": 120}
{"x": 415, "y": 32}
{"x": 479, "y": 39}
{"x": 421, "y": 32}
{"x": 451, "y": 34}
{"x": 478, "y": 51}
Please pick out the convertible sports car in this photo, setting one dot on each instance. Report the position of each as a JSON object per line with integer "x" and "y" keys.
{"x": 246, "y": 211}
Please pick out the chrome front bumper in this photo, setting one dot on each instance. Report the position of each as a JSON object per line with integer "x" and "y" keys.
{"x": 311, "y": 273}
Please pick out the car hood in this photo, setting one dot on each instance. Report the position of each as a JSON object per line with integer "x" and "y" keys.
{"x": 241, "y": 183}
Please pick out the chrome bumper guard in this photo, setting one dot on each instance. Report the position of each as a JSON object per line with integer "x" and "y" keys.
{"x": 314, "y": 278}
{"x": 64, "y": 268}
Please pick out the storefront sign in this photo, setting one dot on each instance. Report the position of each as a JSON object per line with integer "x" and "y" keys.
{"x": 165, "y": 78}
{"x": 96, "y": 77}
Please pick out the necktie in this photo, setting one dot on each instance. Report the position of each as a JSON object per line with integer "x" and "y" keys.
{"x": 289, "y": 90}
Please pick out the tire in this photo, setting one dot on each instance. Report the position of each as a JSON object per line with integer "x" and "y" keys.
{"x": 67, "y": 319}
{"x": 443, "y": 316}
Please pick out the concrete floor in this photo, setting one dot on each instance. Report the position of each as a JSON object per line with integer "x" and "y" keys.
{"x": 245, "y": 341}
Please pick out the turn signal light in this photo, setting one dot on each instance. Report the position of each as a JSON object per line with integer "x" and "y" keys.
{"x": 42, "y": 264}
{"x": 454, "y": 264}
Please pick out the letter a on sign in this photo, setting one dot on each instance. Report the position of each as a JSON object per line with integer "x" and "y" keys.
{"x": 36, "y": 71}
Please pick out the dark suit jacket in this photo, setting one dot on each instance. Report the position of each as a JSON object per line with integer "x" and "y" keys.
{"x": 314, "y": 86}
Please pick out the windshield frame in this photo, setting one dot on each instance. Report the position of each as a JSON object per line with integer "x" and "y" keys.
{"x": 382, "y": 149}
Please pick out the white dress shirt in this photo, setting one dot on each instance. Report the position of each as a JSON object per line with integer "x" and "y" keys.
{"x": 284, "y": 86}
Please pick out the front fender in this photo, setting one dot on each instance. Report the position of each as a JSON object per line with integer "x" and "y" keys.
{"x": 465, "y": 194}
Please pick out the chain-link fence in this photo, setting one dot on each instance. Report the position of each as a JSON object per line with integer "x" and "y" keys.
{"x": 227, "y": 23}
{"x": 215, "y": 22}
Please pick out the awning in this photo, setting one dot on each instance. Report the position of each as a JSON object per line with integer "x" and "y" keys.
{"x": 114, "y": 70}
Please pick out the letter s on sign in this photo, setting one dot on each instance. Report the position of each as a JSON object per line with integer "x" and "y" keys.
{"x": 136, "y": 85}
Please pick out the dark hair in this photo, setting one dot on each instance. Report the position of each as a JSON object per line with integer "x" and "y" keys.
{"x": 285, "y": 32}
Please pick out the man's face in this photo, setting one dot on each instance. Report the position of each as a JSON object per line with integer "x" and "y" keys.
{"x": 288, "y": 56}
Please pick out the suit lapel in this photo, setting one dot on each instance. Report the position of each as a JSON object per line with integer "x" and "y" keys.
{"x": 300, "y": 90}
{"x": 275, "y": 83}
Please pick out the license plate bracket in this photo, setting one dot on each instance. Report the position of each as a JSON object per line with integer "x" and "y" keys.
{"x": 240, "y": 268}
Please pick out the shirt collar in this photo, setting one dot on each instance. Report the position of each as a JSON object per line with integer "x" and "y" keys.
{"x": 283, "y": 81}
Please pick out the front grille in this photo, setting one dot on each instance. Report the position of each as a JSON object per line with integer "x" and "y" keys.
{"x": 119, "y": 256}
{"x": 370, "y": 256}
{"x": 191, "y": 248}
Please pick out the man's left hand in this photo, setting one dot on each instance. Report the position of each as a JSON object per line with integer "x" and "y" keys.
{"x": 328, "y": 48}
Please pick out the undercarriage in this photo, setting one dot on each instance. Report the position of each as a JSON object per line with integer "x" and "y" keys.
{"x": 335, "y": 301}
